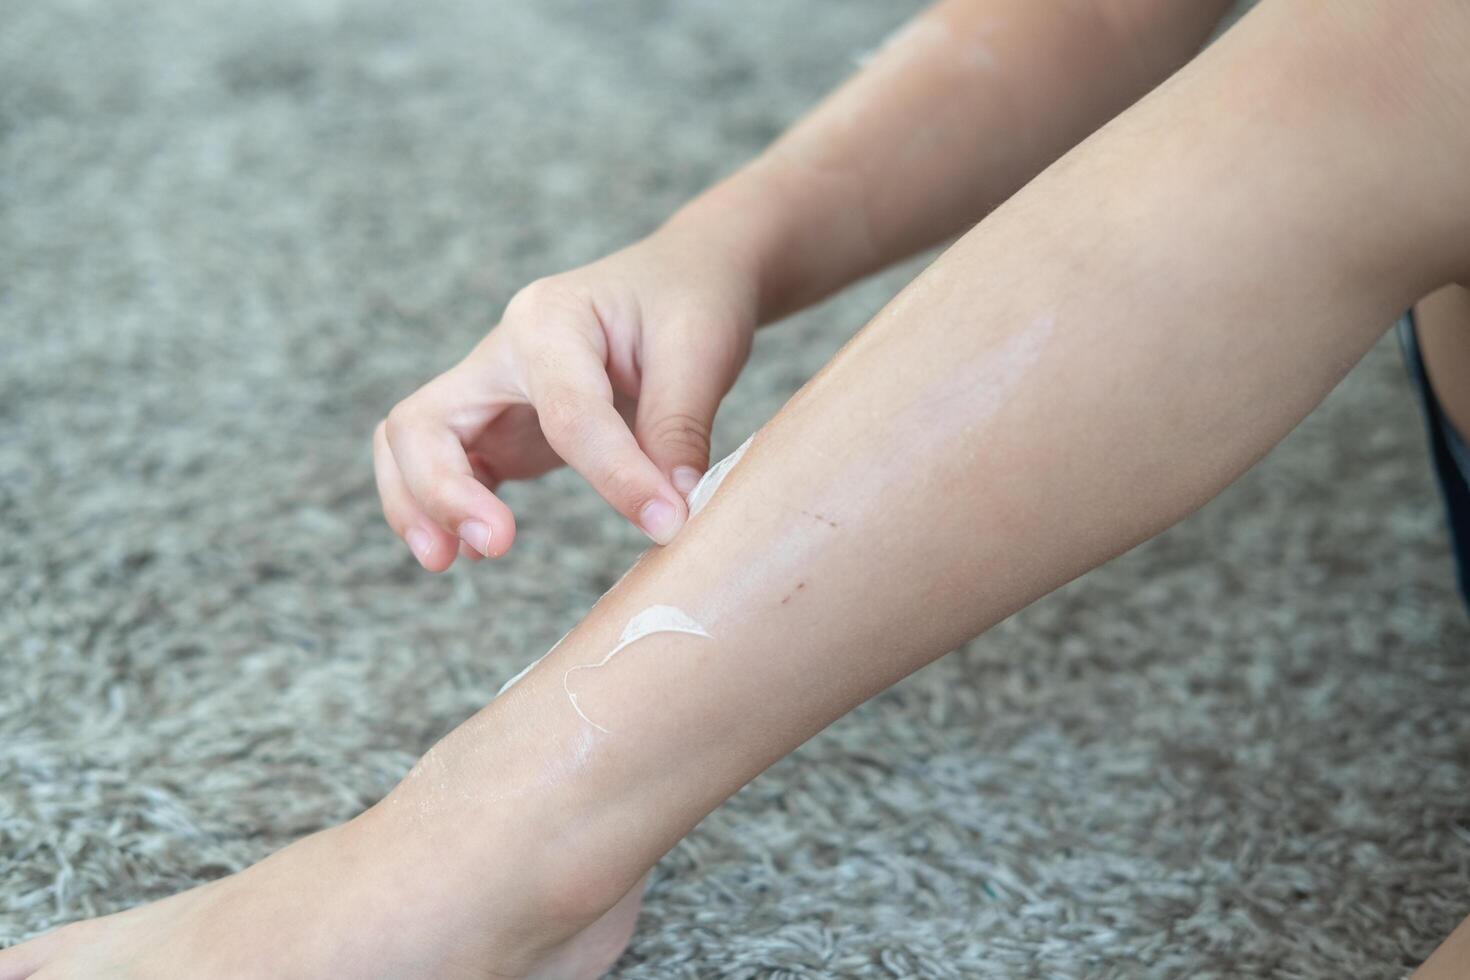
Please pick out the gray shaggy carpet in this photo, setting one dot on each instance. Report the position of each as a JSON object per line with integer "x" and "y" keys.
{"x": 232, "y": 235}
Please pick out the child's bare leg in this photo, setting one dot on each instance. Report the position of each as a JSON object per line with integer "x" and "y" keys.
{"x": 1443, "y": 322}
{"x": 1105, "y": 353}
{"x": 1038, "y": 401}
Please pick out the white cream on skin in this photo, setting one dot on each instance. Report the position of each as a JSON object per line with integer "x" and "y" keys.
{"x": 527, "y": 669}
{"x": 710, "y": 482}
{"x": 654, "y": 619}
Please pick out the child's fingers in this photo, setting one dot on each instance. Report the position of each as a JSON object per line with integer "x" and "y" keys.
{"x": 574, "y": 405}
{"x": 674, "y": 419}
{"x": 430, "y": 544}
{"x": 437, "y": 473}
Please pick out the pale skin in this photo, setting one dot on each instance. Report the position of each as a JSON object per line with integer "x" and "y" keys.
{"x": 1106, "y": 351}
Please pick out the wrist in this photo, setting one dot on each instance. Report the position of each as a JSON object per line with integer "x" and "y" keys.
{"x": 740, "y": 230}
{"x": 792, "y": 234}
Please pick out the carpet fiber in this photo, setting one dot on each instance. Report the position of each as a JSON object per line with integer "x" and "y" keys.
{"x": 232, "y": 235}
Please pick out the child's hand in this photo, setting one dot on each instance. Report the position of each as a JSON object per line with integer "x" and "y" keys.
{"x": 615, "y": 369}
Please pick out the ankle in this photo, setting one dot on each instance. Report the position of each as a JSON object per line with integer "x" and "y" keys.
{"x": 513, "y": 845}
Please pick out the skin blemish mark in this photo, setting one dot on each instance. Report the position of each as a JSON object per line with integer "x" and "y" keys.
{"x": 821, "y": 517}
{"x": 654, "y": 619}
{"x": 792, "y": 594}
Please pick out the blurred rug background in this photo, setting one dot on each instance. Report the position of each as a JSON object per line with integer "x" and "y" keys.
{"x": 233, "y": 235}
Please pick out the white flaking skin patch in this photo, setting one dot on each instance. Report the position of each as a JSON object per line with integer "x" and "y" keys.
{"x": 654, "y": 619}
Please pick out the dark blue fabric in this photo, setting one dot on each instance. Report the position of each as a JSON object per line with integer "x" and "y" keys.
{"x": 1454, "y": 486}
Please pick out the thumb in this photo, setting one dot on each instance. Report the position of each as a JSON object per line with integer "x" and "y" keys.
{"x": 675, "y": 414}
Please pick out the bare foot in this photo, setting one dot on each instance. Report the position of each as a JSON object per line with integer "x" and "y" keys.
{"x": 364, "y": 900}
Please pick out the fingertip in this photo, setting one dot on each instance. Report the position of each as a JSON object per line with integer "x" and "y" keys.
{"x": 489, "y": 528}
{"x": 685, "y": 479}
{"x": 502, "y": 534}
{"x": 475, "y": 536}
{"x": 434, "y": 555}
{"x": 661, "y": 519}
{"x": 420, "y": 543}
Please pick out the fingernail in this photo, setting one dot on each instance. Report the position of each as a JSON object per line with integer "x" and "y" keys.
{"x": 660, "y": 520}
{"x": 420, "y": 543}
{"x": 685, "y": 478}
{"x": 476, "y": 535}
